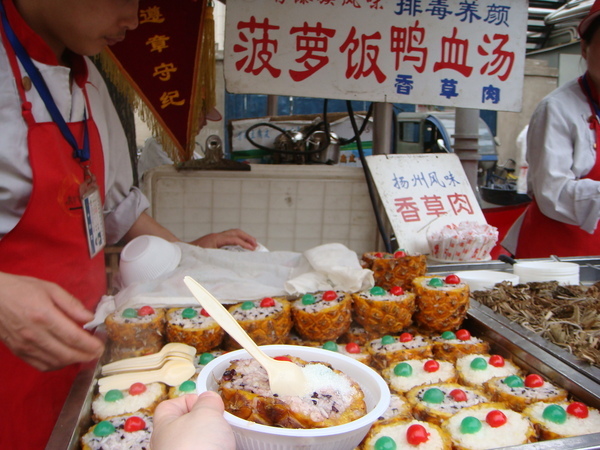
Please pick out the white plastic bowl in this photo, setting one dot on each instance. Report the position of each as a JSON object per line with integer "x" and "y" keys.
{"x": 480, "y": 280}
{"x": 253, "y": 436}
{"x": 146, "y": 258}
{"x": 563, "y": 272}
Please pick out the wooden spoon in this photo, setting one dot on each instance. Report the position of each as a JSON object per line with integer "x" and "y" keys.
{"x": 153, "y": 361}
{"x": 173, "y": 373}
{"x": 285, "y": 377}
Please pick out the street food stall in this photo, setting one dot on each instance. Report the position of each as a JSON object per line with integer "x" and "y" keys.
{"x": 387, "y": 228}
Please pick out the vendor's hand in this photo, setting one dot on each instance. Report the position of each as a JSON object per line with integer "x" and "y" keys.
{"x": 192, "y": 422}
{"x": 42, "y": 323}
{"x": 229, "y": 237}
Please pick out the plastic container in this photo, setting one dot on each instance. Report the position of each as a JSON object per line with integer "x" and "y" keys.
{"x": 563, "y": 272}
{"x": 253, "y": 436}
{"x": 146, "y": 258}
{"x": 480, "y": 280}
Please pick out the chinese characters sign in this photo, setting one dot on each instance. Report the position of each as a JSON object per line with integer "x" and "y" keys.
{"x": 460, "y": 53}
{"x": 423, "y": 192}
{"x": 160, "y": 60}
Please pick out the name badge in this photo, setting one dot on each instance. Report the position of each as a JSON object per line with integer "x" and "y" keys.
{"x": 93, "y": 215}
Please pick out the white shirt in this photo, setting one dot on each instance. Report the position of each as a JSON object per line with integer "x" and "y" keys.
{"x": 123, "y": 202}
{"x": 560, "y": 150}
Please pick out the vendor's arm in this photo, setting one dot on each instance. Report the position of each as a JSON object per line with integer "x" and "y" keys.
{"x": 560, "y": 151}
{"x": 42, "y": 323}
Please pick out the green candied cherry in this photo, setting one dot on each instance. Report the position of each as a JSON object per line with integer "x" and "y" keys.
{"x": 330, "y": 345}
{"x": 104, "y": 428}
{"x": 113, "y": 395}
{"x": 129, "y": 313}
{"x": 470, "y": 425}
{"x": 433, "y": 395}
{"x": 479, "y": 363}
{"x": 448, "y": 335}
{"x": 308, "y": 299}
{"x": 385, "y": 443}
{"x": 513, "y": 381}
{"x": 187, "y": 386}
{"x": 387, "y": 339}
{"x": 435, "y": 282}
{"x": 247, "y": 305}
{"x": 205, "y": 358}
{"x": 403, "y": 369}
{"x": 189, "y": 313}
{"x": 377, "y": 290}
{"x": 555, "y": 414}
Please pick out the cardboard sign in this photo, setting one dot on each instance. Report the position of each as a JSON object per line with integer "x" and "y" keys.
{"x": 423, "y": 192}
{"x": 468, "y": 54}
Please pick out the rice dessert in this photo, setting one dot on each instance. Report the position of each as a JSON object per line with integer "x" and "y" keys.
{"x": 518, "y": 392}
{"x": 450, "y": 346}
{"x": 395, "y": 269}
{"x": 138, "y": 398}
{"x": 351, "y": 349}
{"x": 563, "y": 419}
{"x": 332, "y": 398}
{"x": 193, "y": 326}
{"x": 487, "y": 426}
{"x": 474, "y": 370}
{"x": 322, "y": 316}
{"x": 135, "y": 331}
{"x": 388, "y": 349}
{"x": 406, "y": 375}
{"x": 384, "y": 311}
{"x": 437, "y": 402}
{"x": 407, "y": 434}
{"x": 128, "y": 431}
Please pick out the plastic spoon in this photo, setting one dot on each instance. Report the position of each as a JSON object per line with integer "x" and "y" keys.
{"x": 154, "y": 361}
{"x": 285, "y": 377}
{"x": 173, "y": 373}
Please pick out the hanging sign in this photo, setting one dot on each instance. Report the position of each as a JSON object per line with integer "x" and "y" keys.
{"x": 421, "y": 193}
{"x": 455, "y": 53}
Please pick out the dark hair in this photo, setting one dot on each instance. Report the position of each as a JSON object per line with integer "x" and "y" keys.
{"x": 591, "y": 30}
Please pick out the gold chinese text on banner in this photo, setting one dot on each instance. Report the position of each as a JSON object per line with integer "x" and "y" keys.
{"x": 166, "y": 68}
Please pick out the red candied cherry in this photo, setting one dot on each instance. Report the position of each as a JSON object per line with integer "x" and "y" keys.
{"x": 283, "y": 358}
{"x": 452, "y": 279}
{"x": 431, "y": 366}
{"x": 204, "y": 313}
{"x": 378, "y": 255}
{"x": 578, "y": 410}
{"x": 399, "y": 254}
{"x": 266, "y": 302}
{"x": 495, "y": 418}
{"x": 534, "y": 380}
{"x": 458, "y": 395}
{"x": 416, "y": 434}
{"x": 329, "y": 296}
{"x": 496, "y": 361}
{"x": 134, "y": 423}
{"x": 352, "y": 347}
{"x": 397, "y": 290}
{"x": 146, "y": 311}
{"x": 137, "y": 389}
{"x": 463, "y": 334}
{"x": 405, "y": 337}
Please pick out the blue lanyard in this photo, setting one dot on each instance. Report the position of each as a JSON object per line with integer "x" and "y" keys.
{"x": 588, "y": 93}
{"x": 82, "y": 154}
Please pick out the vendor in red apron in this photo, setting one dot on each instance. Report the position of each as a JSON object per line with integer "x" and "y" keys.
{"x": 563, "y": 178}
{"x": 65, "y": 192}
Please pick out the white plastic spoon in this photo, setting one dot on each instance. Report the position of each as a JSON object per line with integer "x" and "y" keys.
{"x": 153, "y": 361}
{"x": 285, "y": 377}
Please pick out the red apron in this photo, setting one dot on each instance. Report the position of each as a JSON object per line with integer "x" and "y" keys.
{"x": 540, "y": 236}
{"x": 49, "y": 242}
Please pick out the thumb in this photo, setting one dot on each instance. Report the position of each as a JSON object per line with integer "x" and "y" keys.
{"x": 209, "y": 402}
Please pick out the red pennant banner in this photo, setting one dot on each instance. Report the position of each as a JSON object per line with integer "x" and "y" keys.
{"x": 160, "y": 60}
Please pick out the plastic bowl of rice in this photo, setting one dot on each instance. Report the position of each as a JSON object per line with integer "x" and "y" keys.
{"x": 254, "y": 436}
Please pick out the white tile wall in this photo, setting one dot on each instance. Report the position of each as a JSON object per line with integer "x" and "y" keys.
{"x": 286, "y": 207}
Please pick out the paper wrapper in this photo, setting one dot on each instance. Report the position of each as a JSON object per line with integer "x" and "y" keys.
{"x": 466, "y": 241}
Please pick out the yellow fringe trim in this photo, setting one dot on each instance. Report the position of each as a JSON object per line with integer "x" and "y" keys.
{"x": 203, "y": 99}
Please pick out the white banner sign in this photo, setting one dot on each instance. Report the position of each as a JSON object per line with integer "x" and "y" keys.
{"x": 422, "y": 193}
{"x": 455, "y": 53}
